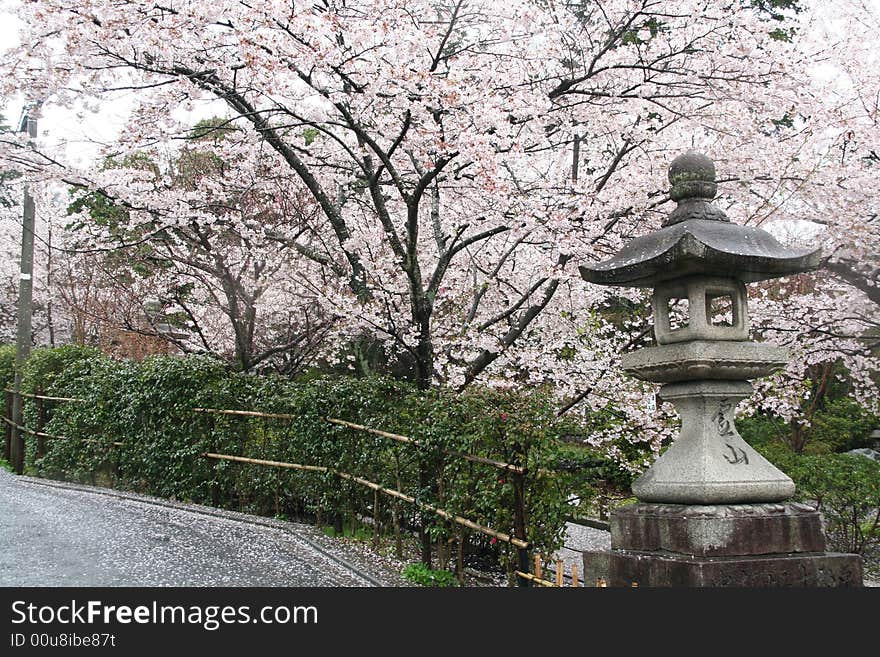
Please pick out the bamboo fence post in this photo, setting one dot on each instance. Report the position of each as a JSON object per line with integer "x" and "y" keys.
{"x": 538, "y": 566}
{"x": 424, "y": 536}
{"x": 459, "y": 561}
{"x": 243, "y": 439}
{"x": 574, "y": 575}
{"x": 443, "y": 548}
{"x": 41, "y": 421}
{"x": 17, "y": 449}
{"x": 560, "y": 572}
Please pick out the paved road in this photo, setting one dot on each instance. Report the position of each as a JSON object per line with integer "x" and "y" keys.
{"x": 51, "y": 536}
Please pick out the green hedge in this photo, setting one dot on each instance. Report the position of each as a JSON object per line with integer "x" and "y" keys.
{"x": 148, "y": 408}
{"x": 846, "y": 488}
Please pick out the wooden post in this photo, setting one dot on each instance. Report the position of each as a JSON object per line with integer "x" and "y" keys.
{"x": 424, "y": 536}
{"x": 574, "y": 575}
{"x": 444, "y": 546}
{"x": 41, "y": 421}
{"x": 395, "y": 509}
{"x": 376, "y": 520}
{"x": 519, "y": 525}
{"x": 7, "y": 451}
{"x": 560, "y": 572}
{"x": 538, "y": 566}
{"x": 459, "y": 562}
{"x": 17, "y": 450}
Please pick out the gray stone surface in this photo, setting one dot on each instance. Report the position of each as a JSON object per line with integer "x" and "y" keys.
{"x": 709, "y": 462}
{"x": 701, "y": 359}
{"x": 709, "y": 531}
{"x": 797, "y": 570}
{"x": 700, "y": 246}
{"x": 866, "y": 452}
{"x": 692, "y": 176}
{"x": 597, "y": 566}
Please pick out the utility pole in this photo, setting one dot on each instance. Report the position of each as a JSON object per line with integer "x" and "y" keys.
{"x": 25, "y": 304}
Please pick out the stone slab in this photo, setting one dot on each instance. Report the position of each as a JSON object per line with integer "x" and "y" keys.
{"x": 801, "y": 570}
{"x": 597, "y": 565}
{"x": 721, "y": 530}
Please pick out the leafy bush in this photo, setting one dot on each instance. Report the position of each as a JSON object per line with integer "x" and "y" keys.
{"x": 846, "y": 488}
{"x": 45, "y": 364}
{"x": 419, "y": 573}
{"x": 759, "y": 429}
{"x": 842, "y": 424}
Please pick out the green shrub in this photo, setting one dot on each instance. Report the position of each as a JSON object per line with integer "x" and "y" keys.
{"x": 45, "y": 364}
{"x": 420, "y": 574}
{"x": 840, "y": 425}
{"x": 846, "y": 488}
{"x": 761, "y": 429}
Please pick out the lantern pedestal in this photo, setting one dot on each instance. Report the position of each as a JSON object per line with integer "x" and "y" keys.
{"x": 709, "y": 463}
{"x": 752, "y": 545}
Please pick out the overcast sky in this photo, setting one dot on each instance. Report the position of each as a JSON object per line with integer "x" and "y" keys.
{"x": 80, "y": 133}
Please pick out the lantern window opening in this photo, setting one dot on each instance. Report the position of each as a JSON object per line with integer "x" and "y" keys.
{"x": 720, "y": 310}
{"x": 678, "y": 313}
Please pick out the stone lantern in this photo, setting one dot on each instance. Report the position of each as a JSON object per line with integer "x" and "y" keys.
{"x": 712, "y": 510}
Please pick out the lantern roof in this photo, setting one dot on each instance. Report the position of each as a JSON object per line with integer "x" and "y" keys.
{"x": 698, "y": 239}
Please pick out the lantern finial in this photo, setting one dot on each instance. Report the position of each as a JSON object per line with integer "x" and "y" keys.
{"x": 692, "y": 176}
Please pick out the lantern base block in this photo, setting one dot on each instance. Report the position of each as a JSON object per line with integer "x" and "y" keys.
{"x": 827, "y": 570}
{"x": 744, "y": 545}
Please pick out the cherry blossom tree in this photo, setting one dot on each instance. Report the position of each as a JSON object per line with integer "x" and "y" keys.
{"x": 459, "y": 159}
{"x": 210, "y": 283}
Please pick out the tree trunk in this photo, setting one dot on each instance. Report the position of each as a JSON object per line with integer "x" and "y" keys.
{"x": 425, "y": 353}
{"x": 799, "y": 433}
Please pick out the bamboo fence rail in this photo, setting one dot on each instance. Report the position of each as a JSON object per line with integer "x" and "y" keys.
{"x": 376, "y": 432}
{"x": 30, "y": 396}
{"x": 31, "y": 431}
{"x": 56, "y": 437}
{"x": 223, "y": 411}
{"x": 405, "y": 439}
{"x": 501, "y": 536}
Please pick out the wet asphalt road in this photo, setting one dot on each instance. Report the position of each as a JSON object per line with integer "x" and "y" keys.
{"x": 53, "y": 536}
